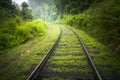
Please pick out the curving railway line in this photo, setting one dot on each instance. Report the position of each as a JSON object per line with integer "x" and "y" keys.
{"x": 68, "y": 59}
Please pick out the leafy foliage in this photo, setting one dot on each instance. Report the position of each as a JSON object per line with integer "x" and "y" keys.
{"x": 101, "y": 22}
{"x": 26, "y": 13}
{"x": 7, "y": 12}
{"x": 15, "y": 31}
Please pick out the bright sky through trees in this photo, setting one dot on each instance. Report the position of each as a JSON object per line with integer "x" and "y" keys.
{"x": 19, "y": 2}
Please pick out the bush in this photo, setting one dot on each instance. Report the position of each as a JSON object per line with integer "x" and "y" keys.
{"x": 102, "y": 21}
{"x": 15, "y": 32}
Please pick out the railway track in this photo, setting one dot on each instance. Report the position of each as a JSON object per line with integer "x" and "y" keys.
{"x": 68, "y": 59}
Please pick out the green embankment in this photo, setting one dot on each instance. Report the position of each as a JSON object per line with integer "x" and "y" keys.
{"x": 15, "y": 31}
{"x": 101, "y": 21}
{"x": 101, "y": 55}
{"x": 26, "y": 56}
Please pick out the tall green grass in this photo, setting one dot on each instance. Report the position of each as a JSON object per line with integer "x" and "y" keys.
{"x": 15, "y": 31}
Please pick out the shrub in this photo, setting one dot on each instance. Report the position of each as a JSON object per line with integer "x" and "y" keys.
{"x": 15, "y": 32}
{"x": 102, "y": 21}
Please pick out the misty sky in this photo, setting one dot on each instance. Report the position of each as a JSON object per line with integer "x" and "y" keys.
{"x": 19, "y": 2}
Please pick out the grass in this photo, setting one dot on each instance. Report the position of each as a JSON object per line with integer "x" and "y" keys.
{"x": 103, "y": 57}
{"x": 57, "y": 78}
{"x": 70, "y": 70}
{"x": 105, "y": 61}
{"x": 69, "y": 57}
{"x": 66, "y": 52}
{"x": 67, "y": 47}
{"x": 69, "y": 63}
{"x": 6, "y": 57}
{"x": 21, "y": 69}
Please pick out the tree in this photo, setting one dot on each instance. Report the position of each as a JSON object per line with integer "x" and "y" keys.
{"x": 8, "y": 10}
{"x": 6, "y": 4}
{"x": 26, "y": 12}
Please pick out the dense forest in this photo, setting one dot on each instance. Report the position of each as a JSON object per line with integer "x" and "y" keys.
{"x": 99, "y": 18}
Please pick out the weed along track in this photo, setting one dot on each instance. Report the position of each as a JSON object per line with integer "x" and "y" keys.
{"x": 66, "y": 60}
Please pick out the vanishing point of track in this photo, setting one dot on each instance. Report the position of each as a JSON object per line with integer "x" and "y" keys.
{"x": 67, "y": 44}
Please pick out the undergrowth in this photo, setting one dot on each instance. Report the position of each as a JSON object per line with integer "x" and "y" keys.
{"x": 31, "y": 54}
{"x": 104, "y": 59}
{"x": 15, "y": 31}
{"x": 100, "y": 22}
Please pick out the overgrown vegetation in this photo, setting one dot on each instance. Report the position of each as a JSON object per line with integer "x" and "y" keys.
{"x": 25, "y": 57}
{"x": 16, "y": 27}
{"x": 15, "y": 31}
{"x": 106, "y": 62}
{"x": 68, "y": 70}
{"x": 101, "y": 20}
{"x": 67, "y": 58}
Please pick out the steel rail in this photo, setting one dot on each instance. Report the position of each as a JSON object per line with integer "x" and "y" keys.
{"x": 37, "y": 72}
{"x": 86, "y": 51}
